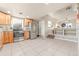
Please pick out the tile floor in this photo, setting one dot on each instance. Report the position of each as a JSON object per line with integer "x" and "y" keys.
{"x": 40, "y": 47}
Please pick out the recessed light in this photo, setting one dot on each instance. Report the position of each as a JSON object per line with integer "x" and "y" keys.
{"x": 28, "y": 16}
{"x": 8, "y": 11}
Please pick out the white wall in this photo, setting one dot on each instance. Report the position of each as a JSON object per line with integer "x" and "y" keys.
{"x": 43, "y": 25}
{"x": 42, "y": 28}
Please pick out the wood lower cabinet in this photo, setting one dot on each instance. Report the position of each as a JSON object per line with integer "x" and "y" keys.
{"x": 7, "y": 37}
{"x": 10, "y": 36}
{"x": 0, "y": 39}
{"x": 26, "y": 35}
{"x": 4, "y": 37}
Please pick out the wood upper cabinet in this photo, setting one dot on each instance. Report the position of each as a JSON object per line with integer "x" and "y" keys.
{"x": 8, "y": 19}
{"x": 5, "y": 18}
{"x": 27, "y": 21}
{"x": 2, "y": 18}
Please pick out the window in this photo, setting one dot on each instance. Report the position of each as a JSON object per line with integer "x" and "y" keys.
{"x": 49, "y": 24}
{"x": 69, "y": 25}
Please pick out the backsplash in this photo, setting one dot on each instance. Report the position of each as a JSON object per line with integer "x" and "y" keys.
{"x": 5, "y": 27}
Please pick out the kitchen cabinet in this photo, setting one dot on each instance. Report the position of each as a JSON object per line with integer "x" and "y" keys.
{"x": 27, "y": 22}
{"x": 7, "y": 37}
{"x": 0, "y": 37}
{"x": 10, "y": 37}
{"x": 8, "y": 19}
{"x": 2, "y": 18}
{"x": 5, "y": 19}
{"x": 26, "y": 35}
{"x": 27, "y": 25}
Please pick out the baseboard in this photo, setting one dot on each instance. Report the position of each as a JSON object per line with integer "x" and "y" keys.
{"x": 67, "y": 40}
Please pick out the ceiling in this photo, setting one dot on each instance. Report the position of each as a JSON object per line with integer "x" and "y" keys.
{"x": 32, "y": 10}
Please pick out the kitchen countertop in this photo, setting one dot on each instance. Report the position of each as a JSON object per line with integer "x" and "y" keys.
{"x": 7, "y": 31}
{"x": 1, "y": 29}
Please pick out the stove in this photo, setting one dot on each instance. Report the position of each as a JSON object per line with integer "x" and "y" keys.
{"x": 18, "y": 35}
{"x": 18, "y": 32}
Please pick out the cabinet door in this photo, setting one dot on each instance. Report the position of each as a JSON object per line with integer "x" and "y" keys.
{"x": 8, "y": 19}
{"x": 26, "y": 34}
{"x": 7, "y": 37}
{"x": 10, "y": 37}
{"x": 27, "y": 21}
{"x": 0, "y": 39}
{"x": 2, "y": 18}
{"x": 1, "y": 21}
{"x": 4, "y": 38}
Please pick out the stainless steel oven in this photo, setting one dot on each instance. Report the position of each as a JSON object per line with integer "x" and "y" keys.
{"x": 18, "y": 35}
{"x": 18, "y": 32}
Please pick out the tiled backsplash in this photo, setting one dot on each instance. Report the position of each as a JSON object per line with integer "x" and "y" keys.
{"x": 5, "y": 27}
